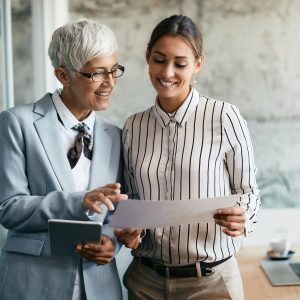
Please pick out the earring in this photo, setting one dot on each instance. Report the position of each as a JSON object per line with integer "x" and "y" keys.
{"x": 194, "y": 79}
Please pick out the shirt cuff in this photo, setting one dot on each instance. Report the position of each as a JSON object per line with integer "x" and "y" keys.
{"x": 247, "y": 226}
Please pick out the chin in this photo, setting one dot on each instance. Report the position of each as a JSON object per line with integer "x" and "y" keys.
{"x": 102, "y": 107}
{"x": 166, "y": 94}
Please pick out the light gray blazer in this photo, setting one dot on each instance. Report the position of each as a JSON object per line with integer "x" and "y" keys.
{"x": 36, "y": 184}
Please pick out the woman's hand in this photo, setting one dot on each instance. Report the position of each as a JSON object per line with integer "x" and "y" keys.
{"x": 103, "y": 195}
{"x": 130, "y": 238}
{"x": 233, "y": 219}
{"x": 99, "y": 252}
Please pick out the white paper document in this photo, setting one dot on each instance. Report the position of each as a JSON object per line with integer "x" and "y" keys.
{"x": 152, "y": 214}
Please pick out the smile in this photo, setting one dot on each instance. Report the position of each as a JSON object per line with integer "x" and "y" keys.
{"x": 166, "y": 83}
{"x": 102, "y": 94}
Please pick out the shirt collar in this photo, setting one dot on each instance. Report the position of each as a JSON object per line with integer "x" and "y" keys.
{"x": 182, "y": 114}
{"x": 67, "y": 118}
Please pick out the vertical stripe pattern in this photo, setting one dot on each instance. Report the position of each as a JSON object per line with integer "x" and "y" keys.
{"x": 202, "y": 150}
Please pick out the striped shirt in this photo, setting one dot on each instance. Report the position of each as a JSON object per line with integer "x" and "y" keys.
{"x": 201, "y": 150}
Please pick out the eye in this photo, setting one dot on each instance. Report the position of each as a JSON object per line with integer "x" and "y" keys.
{"x": 180, "y": 66}
{"x": 99, "y": 73}
{"x": 159, "y": 60}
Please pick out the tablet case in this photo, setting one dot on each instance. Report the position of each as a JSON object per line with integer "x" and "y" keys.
{"x": 66, "y": 234}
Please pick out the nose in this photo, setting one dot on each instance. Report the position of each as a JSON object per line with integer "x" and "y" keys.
{"x": 168, "y": 70}
{"x": 109, "y": 81}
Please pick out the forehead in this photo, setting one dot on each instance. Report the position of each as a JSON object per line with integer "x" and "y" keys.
{"x": 176, "y": 46}
{"x": 102, "y": 62}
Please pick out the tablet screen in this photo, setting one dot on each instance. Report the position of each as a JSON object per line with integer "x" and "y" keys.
{"x": 66, "y": 234}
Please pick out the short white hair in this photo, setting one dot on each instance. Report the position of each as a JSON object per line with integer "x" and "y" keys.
{"x": 76, "y": 43}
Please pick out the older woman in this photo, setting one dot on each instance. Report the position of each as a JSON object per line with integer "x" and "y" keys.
{"x": 59, "y": 160}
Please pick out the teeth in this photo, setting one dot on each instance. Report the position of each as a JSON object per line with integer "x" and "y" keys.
{"x": 166, "y": 83}
{"x": 103, "y": 94}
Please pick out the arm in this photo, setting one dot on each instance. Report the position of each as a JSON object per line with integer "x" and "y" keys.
{"x": 108, "y": 247}
{"x": 129, "y": 178}
{"x": 20, "y": 208}
{"x": 242, "y": 171}
{"x": 130, "y": 238}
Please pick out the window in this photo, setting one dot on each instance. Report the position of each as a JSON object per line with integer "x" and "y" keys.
{"x": 26, "y": 28}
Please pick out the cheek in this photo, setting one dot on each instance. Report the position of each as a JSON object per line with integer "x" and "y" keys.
{"x": 151, "y": 75}
{"x": 90, "y": 92}
{"x": 154, "y": 70}
{"x": 188, "y": 76}
{"x": 82, "y": 90}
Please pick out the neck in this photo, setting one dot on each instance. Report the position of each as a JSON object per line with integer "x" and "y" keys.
{"x": 70, "y": 103}
{"x": 170, "y": 105}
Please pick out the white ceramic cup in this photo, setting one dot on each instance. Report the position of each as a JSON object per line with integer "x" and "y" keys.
{"x": 281, "y": 246}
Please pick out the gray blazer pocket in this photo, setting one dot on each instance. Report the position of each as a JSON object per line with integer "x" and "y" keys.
{"x": 25, "y": 245}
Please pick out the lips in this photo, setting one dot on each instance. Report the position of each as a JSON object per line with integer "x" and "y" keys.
{"x": 166, "y": 83}
{"x": 103, "y": 93}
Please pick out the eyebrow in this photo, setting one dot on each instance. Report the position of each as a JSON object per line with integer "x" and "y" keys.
{"x": 103, "y": 68}
{"x": 176, "y": 57}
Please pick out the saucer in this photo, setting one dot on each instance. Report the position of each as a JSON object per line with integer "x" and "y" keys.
{"x": 276, "y": 257}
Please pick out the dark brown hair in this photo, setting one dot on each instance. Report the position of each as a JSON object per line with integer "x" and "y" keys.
{"x": 178, "y": 25}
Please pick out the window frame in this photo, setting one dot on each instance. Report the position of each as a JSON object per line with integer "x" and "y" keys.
{"x": 6, "y": 55}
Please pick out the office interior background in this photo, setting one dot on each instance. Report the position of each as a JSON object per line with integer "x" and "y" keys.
{"x": 251, "y": 59}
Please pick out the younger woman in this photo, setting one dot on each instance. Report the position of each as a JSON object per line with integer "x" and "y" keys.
{"x": 187, "y": 146}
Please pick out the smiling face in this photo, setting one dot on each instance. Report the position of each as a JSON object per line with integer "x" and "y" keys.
{"x": 172, "y": 64}
{"x": 82, "y": 95}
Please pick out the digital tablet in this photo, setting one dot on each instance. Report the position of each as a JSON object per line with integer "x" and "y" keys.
{"x": 66, "y": 234}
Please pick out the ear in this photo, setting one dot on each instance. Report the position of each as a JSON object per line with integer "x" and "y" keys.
{"x": 198, "y": 64}
{"x": 147, "y": 57}
{"x": 62, "y": 75}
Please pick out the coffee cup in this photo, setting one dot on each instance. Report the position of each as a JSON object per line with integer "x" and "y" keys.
{"x": 281, "y": 246}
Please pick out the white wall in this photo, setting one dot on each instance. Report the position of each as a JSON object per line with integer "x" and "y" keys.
{"x": 275, "y": 221}
{"x": 251, "y": 59}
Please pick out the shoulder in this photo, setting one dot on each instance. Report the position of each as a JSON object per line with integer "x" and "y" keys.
{"x": 17, "y": 115}
{"x": 24, "y": 111}
{"x": 218, "y": 104}
{"x": 137, "y": 117}
{"x": 18, "y": 111}
{"x": 214, "y": 101}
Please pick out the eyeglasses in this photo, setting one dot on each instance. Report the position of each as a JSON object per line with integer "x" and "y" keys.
{"x": 102, "y": 74}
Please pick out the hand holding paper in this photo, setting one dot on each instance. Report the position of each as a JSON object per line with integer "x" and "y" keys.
{"x": 152, "y": 214}
{"x": 233, "y": 219}
{"x": 130, "y": 238}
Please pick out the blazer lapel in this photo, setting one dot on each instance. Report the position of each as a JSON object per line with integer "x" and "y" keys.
{"x": 101, "y": 152}
{"x": 48, "y": 130}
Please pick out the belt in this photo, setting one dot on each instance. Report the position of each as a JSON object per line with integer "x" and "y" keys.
{"x": 181, "y": 271}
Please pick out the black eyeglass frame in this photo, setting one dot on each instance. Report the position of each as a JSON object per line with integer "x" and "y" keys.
{"x": 105, "y": 73}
